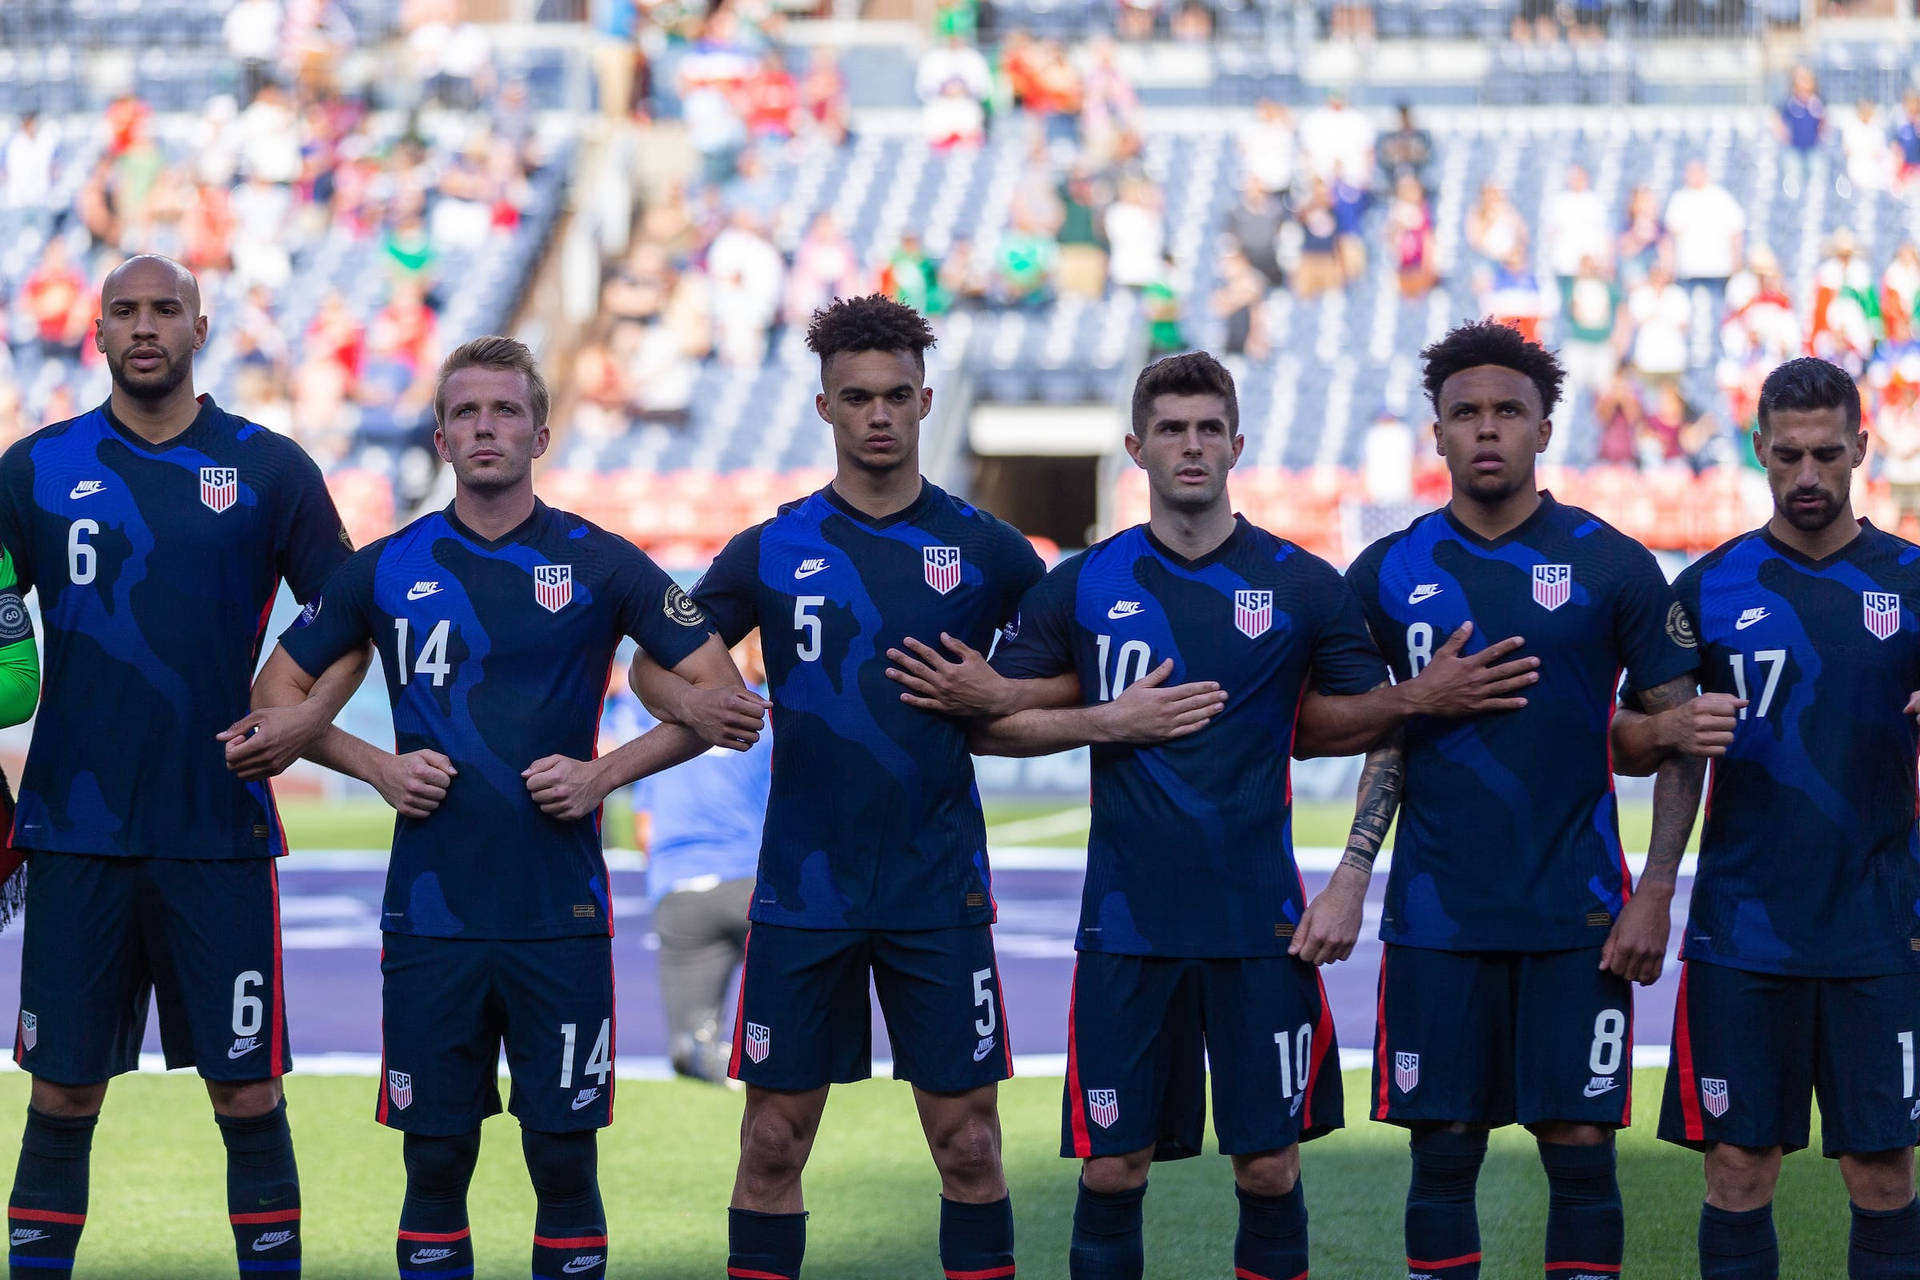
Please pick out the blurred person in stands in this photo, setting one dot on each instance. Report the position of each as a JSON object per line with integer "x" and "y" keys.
{"x": 1136, "y": 234}
{"x": 1082, "y": 201}
{"x": 1134, "y": 19}
{"x": 13, "y": 418}
{"x": 1350, "y": 203}
{"x": 1108, "y": 104}
{"x": 258, "y": 341}
{"x": 1192, "y": 22}
{"x": 207, "y": 229}
{"x": 252, "y": 33}
{"x": 1025, "y": 265}
{"x": 1056, "y": 94}
{"x": 1318, "y": 268}
{"x": 1160, "y": 304}
{"x": 714, "y": 129}
{"x": 601, "y": 411}
{"x": 825, "y": 267}
{"x": 28, "y": 161}
{"x": 1905, "y": 135}
{"x": 1409, "y": 236}
{"x": 1643, "y": 236}
{"x": 402, "y": 332}
{"x": 269, "y": 136}
{"x": 1661, "y": 312}
{"x": 701, "y": 835}
{"x": 953, "y": 59}
{"x": 1336, "y": 140}
{"x": 911, "y": 277}
{"x": 963, "y": 277}
{"x": 1254, "y": 223}
{"x": 407, "y": 246}
{"x": 1846, "y": 324}
{"x": 1494, "y": 226}
{"x": 1574, "y": 226}
{"x": 1020, "y": 68}
{"x": 747, "y": 274}
{"x": 953, "y": 118}
{"x": 639, "y": 285}
{"x": 1406, "y": 150}
{"x": 214, "y": 143}
{"x": 97, "y": 207}
{"x": 1269, "y": 148}
{"x": 1871, "y": 157}
{"x": 1618, "y": 411}
{"x": 1511, "y": 293}
{"x": 261, "y": 211}
{"x": 1896, "y": 429}
{"x": 1708, "y": 228}
{"x": 58, "y": 303}
{"x": 1760, "y": 333}
{"x": 1590, "y": 326}
{"x": 769, "y": 98}
{"x": 822, "y": 95}
{"x": 1241, "y": 303}
{"x": 1799, "y": 127}
{"x": 1900, "y": 295}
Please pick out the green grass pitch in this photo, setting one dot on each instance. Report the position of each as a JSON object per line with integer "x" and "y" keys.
{"x": 666, "y": 1168}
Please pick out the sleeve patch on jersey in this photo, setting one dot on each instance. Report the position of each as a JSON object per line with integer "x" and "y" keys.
{"x": 14, "y": 623}
{"x": 1680, "y": 627}
{"x": 307, "y": 615}
{"x": 680, "y": 607}
{"x": 346, "y": 539}
{"x": 1012, "y": 630}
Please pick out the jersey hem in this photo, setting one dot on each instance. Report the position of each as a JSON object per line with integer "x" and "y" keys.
{"x": 1780, "y": 971}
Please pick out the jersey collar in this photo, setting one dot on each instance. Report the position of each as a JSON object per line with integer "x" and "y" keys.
{"x": 208, "y": 411}
{"x": 516, "y": 534}
{"x": 905, "y": 515}
{"x": 1227, "y": 544}
{"x": 1515, "y": 534}
{"x": 1854, "y": 545}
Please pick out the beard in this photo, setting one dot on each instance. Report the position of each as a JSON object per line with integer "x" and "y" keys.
{"x": 150, "y": 387}
{"x": 1813, "y": 521}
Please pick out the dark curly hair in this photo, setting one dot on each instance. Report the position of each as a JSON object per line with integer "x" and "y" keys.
{"x": 1489, "y": 342}
{"x": 1191, "y": 373}
{"x": 1809, "y": 383}
{"x": 873, "y": 323}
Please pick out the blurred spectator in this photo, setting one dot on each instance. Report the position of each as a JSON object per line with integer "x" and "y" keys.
{"x": 1388, "y": 457}
{"x": 1255, "y": 224}
{"x": 1269, "y": 147}
{"x": 1574, "y": 226}
{"x": 1108, "y": 105}
{"x": 825, "y": 267}
{"x": 96, "y": 206}
{"x": 746, "y": 272}
{"x": 823, "y": 97}
{"x": 1707, "y": 225}
{"x": 207, "y": 228}
{"x": 953, "y": 118}
{"x": 1906, "y": 137}
{"x": 769, "y": 99}
{"x": 258, "y": 341}
{"x": 637, "y": 289}
{"x": 269, "y": 137}
{"x": 1673, "y": 430}
{"x": 1336, "y": 139}
{"x": 1900, "y": 295}
{"x": 400, "y": 340}
{"x": 1896, "y": 432}
{"x": 953, "y": 59}
{"x": 1240, "y": 302}
{"x": 28, "y": 160}
{"x": 1802, "y": 121}
{"x": 1020, "y": 68}
{"x": 1319, "y": 266}
{"x": 912, "y": 277}
{"x": 963, "y": 278}
{"x": 1409, "y": 230}
{"x": 1136, "y": 234}
{"x": 714, "y": 129}
{"x": 1083, "y": 244}
{"x": 1025, "y": 265}
{"x": 1590, "y": 332}
{"x": 600, "y": 413}
{"x": 215, "y": 142}
{"x": 1643, "y": 236}
{"x": 1160, "y": 303}
{"x": 1512, "y": 294}
{"x": 1494, "y": 227}
{"x": 1350, "y": 201}
{"x": 252, "y": 32}
{"x": 1617, "y": 410}
{"x": 1192, "y": 23}
{"x": 1056, "y": 92}
{"x": 1846, "y": 306}
{"x": 58, "y": 302}
{"x": 126, "y": 121}
{"x": 1404, "y": 151}
{"x": 1134, "y": 19}
{"x": 1871, "y": 157}
{"x": 1761, "y": 327}
{"x": 408, "y": 247}
{"x": 1661, "y": 313}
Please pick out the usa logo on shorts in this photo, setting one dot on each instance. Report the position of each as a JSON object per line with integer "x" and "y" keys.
{"x": 1252, "y": 613}
{"x": 1552, "y": 585}
{"x": 29, "y": 1030}
{"x": 553, "y": 586}
{"x": 219, "y": 487}
{"x": 1882, "y": 610}
{"x": 1713, "y": 1096}
{"x": 1103, "y": 1107}
{"x": 400, "y": 1089}
{"x": 759, "y": 1042}
{"x": 1406, "y": 1071}
{"x": 942, "y": 567}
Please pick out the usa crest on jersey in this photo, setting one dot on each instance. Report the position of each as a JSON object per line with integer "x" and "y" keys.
{"x": 942, "y": 567}
{"x": 1406, "y": 1071}
{"x": 1103, "y": 1107}
{"x": 1552, "y": 585}
{"x": 553, "y": 586}
{"x": 759, "y": 1042}
{"x": 1882, "y": 612}
{"x": 400, "y": 1089}
{"x": 1713, "y": 1096}
{"x": 1252, "y": 613}
{"x": 219, "y": 487}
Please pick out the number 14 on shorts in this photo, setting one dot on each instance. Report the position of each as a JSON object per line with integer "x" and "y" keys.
{"x": 599, "y": 1063}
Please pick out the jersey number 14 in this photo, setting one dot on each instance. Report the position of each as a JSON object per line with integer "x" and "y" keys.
{"x": 433, "y": 653}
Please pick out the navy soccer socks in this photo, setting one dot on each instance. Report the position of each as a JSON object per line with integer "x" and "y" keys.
{"x": 1443, "y": 1226}
{"x": 48, "y": 1207}
{"x": 1586, "y": 1227}
{"x": 1738, "y": 1246}
{"x": 569, "y": 1224}
{"x": 976, "y": 1240}
{"x": 1106, "y": 1243}
{"x": 765, "y": 1246}
{"x": 1884, "y": 1244}
{"x": 434, "y": 1242}
{"x": 263, "y": 1192}
{"x": 1272, "y": 1241}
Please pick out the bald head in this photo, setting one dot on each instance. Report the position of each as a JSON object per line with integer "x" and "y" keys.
{"x": 149, "y": 328}
{"x": 151, "y": 269}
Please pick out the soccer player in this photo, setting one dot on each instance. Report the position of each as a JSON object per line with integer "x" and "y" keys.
{"x": 1512, "y": 931}
{"x": 1801, "y": 955}
{"x": 496, "y": 620}
{"x": 156, "y": 529}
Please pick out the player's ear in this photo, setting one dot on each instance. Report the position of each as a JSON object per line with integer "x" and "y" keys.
{"x": 1860, "y": 448}
{"x": 1133, "y": 450}
{"x": 541, "y": 439}
{"x": 100, "y": 335}
{"x": 1439, "y": 441}
{"x": 1239, "y": 444}
{"x": 440, "y": 444}
{"x": 820, "y": 407}
{"x": 926, "y": 402}
{"x": 199, "y": 332}
{"x": 1546, "y": 434}
{"x": 1759, "y": 448}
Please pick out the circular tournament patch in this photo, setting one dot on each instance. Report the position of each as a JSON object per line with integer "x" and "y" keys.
{"x": 1680, "y": 627}
{"x": 14, "y": 623}
{"x": 680, "y": 607}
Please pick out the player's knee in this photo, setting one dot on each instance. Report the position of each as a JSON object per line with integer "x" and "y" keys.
{"x": 967, "y": 1150}
{"x": 1566, "y": 1133}
{"x": 440, "y": 1167}
{"x": 773, "y": 1147}
{"x": 1742, "y": 1178}
{"x": 1270, "y": 1173}
{"x": 562, "y": 1166}
{"x": 1113, "y": 1175}
{"x": 67, "y": 1100}
{"x": 244, "y": 1099}
{"x": 1879, "y": 1180}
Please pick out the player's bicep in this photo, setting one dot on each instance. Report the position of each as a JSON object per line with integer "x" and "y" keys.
{"x": 283, "y": 681}
{"x": 311, "y": 540}
{"x": 726, "y": 592}
{"x": 1667, "y": 695}
{"x": 335, "y": 622}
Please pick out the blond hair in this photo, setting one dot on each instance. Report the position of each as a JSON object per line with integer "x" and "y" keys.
{"x": 495, "y": 352}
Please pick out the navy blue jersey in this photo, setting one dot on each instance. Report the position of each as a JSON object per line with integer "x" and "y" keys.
{"x": 497, "y": 653}
{"x": 1508, "y": 837}
{"x": 156, "y": 567}
{"x": 1809, "y": 862}
{"x": 1191, "y": 850}
{"x": 873, "y": 821}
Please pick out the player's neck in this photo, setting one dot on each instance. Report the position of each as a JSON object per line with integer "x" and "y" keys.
{"x": 493, "y": 513}
{"x": 878, "y": 493}
{"x": 1495, "y": 519}
{"x": 1817, "y": 544}
{"x": 156, "y": 421}
{"x": 1191, "y": 534}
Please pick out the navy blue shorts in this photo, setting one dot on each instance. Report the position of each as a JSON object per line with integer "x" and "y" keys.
{"x": 1141, "y": 1031}
{"x": 1502, "y": 1037}
{"x": 104, "y": 934}
{"x": 1750, "y": 1051}
{"x": 804, "y": 1019}
{"x": 447, "y": 1004}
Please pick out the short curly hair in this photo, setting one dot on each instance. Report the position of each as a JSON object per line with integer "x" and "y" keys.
{"x": 871, "y": 323}
{"x": 1482, "y": 342}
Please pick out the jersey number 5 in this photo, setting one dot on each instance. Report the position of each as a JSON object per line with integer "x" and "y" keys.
{"x": 433, "y": 654}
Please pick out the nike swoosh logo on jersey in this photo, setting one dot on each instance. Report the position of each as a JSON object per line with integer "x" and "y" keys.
{"x": 808, "y": 568}
{"x": 1123, "y": 609}
{"x": 421, "y": 590}
{"x": 87, "y": 488}
{"x": 1425, "y": 591}
{"x": 1748, "y": 618}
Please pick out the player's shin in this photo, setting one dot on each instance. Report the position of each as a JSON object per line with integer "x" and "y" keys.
{"x": 1586, "y": 1231}
{"x": 434, "y": 1242}
{"x": 1884, "y": 1244}
{"x": 1107, "y": 1243}
{"x": 765, "y": 1246}
{"x": 48, "y": 1206}
{"x": 263, "y": 1191}
{"x": 1738, "y": 1246}
{"x": 1443, "y": 1226}
{"x": 976, "y": 1240}
{"x": 1272, "y": 1240}
{"x": 569, "y": 1224}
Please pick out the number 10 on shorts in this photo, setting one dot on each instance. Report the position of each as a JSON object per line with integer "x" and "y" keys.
{"x": 599, "y": 1063}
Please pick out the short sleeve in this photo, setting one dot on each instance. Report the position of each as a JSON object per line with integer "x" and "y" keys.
{"x": 1038, "y": 641}
{"x": 1363, "y": 583}
{"x": 1345, "y": 659}
{"x": 662, "y": 618}
{"x": 1021, "y": 571}
{"x": 310, "y": 542}
{"x": 15, "y": 484}
{"x": 1652, "y": 631}
{"x": 726, "y": 593}
{"x": 339, "y": 617}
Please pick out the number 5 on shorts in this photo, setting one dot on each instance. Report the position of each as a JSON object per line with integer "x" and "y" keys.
{"x": 983, "y": 995}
